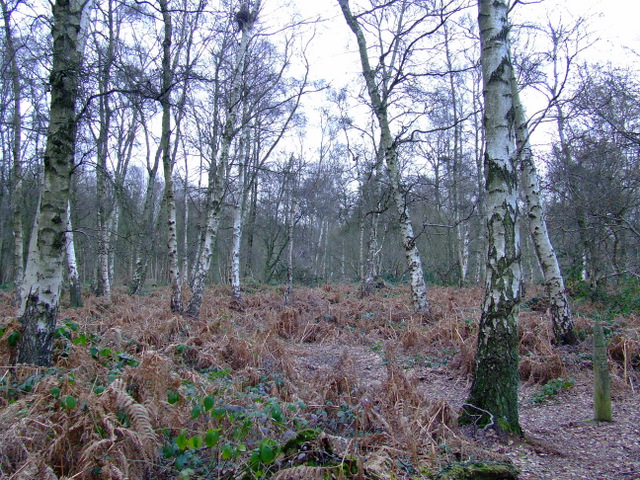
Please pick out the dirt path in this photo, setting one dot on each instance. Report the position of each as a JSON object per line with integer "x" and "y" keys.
{"x": 563, "y": 443}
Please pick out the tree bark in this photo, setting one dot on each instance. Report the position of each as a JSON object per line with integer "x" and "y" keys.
{"x": 75, "y": 291}
{"x": 561, "y": 316}
{"x": 102, "y": 149}
{"x": 239, "y": 205}
{"x": 493, "y": 399}
{"x": 43, "y": 279}
{"x": 167, "y": 162}
{"x": 388, "y": 147}
{"x": 601, "y": 378}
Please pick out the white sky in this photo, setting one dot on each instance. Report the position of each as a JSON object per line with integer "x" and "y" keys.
{"x": 612, "y": 22}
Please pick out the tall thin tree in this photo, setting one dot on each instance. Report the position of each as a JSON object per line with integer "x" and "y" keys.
{"x": 561, "y": 316}
{"x": 379, "y": 103}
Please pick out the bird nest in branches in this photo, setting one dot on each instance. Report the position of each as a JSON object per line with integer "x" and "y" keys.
{"x": 244, "y": 17}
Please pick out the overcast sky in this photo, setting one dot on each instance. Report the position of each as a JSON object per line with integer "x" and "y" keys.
{"x": 614, "y": 22}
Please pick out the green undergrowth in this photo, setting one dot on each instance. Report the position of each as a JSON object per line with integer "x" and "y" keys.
{"x": 551, "y": 389}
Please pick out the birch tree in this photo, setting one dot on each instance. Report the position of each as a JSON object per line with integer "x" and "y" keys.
{"x": 147, "y": 215}
{"x": 105, "y": 62}
{"x": 379, "y": 95}
{"x": 245, "y": 19}
{"x": 167, "y": 161}
{"x": 43, "y": 278}
{"x": 493, "y": 399}
{"x": 75, "y": 291}
{"x": 561, "y": 316}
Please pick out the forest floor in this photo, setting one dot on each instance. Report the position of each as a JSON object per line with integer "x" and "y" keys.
{"x": 327, "y": 386}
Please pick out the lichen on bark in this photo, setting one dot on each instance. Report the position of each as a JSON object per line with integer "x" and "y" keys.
{"x": 493, "y": 399}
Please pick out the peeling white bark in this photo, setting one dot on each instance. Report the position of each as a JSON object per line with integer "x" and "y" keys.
{"x": 43, "y": 278}
{"x": 167, "y": 162}
{"x": 495, "y": 384}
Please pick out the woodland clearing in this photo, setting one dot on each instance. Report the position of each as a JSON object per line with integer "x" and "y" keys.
{"x": 331, "y": 385}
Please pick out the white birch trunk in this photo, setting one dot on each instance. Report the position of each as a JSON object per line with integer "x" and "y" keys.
{"x": 167, "y": 163}
{"x": 72, "y": 264}
{"x": 240, "y": 202}
{"x": 215, "y": 192}
{"x": 238, "y": 213}
{"x": 185, "y": 233}
{"x": 561, "y": 316}
{"x": 494, "y": 393}
{"x": 414, "y": 262}
{"x": 235, "y": 252}
{"x": 43, "y": 278}
{"x": 102, "y": 175}
{"x": 317, "y": 256}
{"x": 114, "y": 223}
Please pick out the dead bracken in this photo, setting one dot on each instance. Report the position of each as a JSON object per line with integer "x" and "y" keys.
{"x": 331, "y": 385}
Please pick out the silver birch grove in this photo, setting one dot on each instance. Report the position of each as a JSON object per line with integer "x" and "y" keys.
{"x": 387, "y": 145}
{"x": 561, "y": 317}
{"x": 43, "y": 278}
{"x": 493, "y": 399}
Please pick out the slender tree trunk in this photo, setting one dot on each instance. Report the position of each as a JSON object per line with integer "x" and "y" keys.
{"x": 561, "y": 317}
{"x": 238, "y": 213}
{"x": 387, "y": 145}
{"x": 114, "y": 223}
{"x": 102, "y": 176}
{"x": 217, "y": 177}
{"x": 142, "y": 250}
{"x": 167, "y": 163}
{"x": 493, "y": 399}
{"x": 290, "y": 224}
{"x": 462, "y": 253}
{"x": 481, "y": 200}
{"x": 240, "y": 201}
{"x": 215, "y": 192}
{"x": 43, "y": 278}
{"x": 75, "y": 290}
{"x": 369, "y": 260}
{"x": 185, "y": 233}
{"x": 16, "y": 148}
